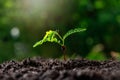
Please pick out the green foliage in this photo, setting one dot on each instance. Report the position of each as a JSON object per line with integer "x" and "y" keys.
{"x": 96, "y": 56}
{"x": 73, "y": 31}
{"x": 49, "y": 37}
{"x": 53, "y": 36}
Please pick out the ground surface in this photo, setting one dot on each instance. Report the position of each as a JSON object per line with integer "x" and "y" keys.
{"x": 49, "y": 69}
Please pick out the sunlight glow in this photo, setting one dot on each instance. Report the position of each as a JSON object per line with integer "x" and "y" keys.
{"x": 42, "y": 12}
{"x": 38, "y": 8}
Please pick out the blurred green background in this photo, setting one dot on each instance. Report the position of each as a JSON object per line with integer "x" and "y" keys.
{"x": 24, "y": 22}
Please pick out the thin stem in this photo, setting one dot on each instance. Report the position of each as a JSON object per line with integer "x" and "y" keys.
{"x": 62, "y": 45}
{"x": 60, "y": 38}
{"x": 63, "y": 49}
{"x": 63, "y": 42}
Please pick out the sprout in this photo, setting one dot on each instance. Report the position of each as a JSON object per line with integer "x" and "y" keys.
{"x": 54, "y": 36}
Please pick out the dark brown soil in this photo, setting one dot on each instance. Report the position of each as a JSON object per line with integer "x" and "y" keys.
{"x": 53, "y": 69}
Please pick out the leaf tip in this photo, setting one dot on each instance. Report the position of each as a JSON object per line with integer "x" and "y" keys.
{"x": 34, "y": 46}
{"x": 84, "y": 29}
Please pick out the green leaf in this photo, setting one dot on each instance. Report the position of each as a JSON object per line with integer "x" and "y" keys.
{"x": 49, "y": 37}
{"x": 38, "y": 43}
{"x": 73, "y": 31}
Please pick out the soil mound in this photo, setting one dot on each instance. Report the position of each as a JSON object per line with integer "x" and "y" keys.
{"x": 53, "y": 69}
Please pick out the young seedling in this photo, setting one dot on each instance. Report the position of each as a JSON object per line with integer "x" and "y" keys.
{"x": 54, "y": 36}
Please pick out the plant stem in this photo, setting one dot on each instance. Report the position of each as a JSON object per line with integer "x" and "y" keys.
{"x": 60, "y": 38}
{"x": 63, "y": 49}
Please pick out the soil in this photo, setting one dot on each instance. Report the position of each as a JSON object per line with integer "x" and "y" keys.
{"x": 54, "y": 69}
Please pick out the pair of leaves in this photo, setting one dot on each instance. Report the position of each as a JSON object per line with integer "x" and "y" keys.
{"x": 50, "y": 36}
